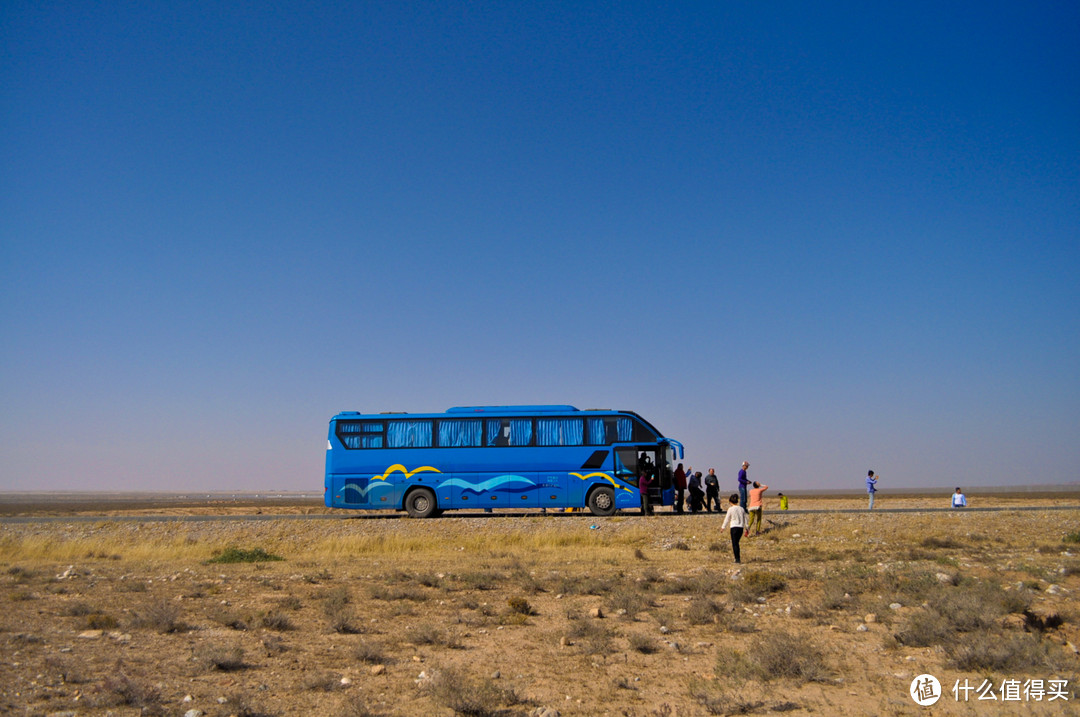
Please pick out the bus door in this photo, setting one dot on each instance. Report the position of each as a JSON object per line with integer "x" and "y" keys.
{"x": 629, "y": 461}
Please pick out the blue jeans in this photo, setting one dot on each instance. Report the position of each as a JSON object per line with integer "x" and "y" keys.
{"x": 871, "y": 502}
{"x": 742, "y": 497}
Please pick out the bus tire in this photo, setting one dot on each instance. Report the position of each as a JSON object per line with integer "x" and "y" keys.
{"x": 602, "y": 501}
{"x": 420, "y": 503}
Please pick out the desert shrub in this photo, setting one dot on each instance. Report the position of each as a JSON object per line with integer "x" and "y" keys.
{"x": 644, "y": 644}
{"x": 69, "y": 670}
{"x": 1073, "y": 537}
{"x": 276, "y": 621}
{"x": 720, "y": 701}
{"x": 466, "y": 695}
{"x": 584, "y": 585}
{"x": 984, "y": 651}
{"x": 480, "y": 580}
{"x": 625, "y": 597}
{"x": 923, "y": 629}
{"x": 702, "y": 612}
{"x": 239, "y": 705}
{"x": 520, "y": 606}
{"x": 355, "y": 705}
{"x": 397, "y": 594}
{"x": 680, "y": 545}
{"x": 594, "y": 637}
{"x": 370, "y": 653}
{"x": 120, "y": 689}
{"x": 755, "y": 585}
{"x": 935, "y": 542}
{"x": 423, "y": 634}
{"x": 239, "y": 555}
{"x": 220, "y": 657}
{"x": 834, "y": 597}
{"x": 338, "y": 610}
{"x": 290, "y": 602}
{"x": 20, "y": 573}
{"x": 78, "y": 609}
{"x": 639, "y": 554}
{"x": 162, "y": 615}
{"x": 774, "y": 655}
{"x": 321, "y": 681}
{"x": 100, "y": 621}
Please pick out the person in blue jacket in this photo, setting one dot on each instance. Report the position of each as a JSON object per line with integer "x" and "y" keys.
{"x": 871, "y": 487}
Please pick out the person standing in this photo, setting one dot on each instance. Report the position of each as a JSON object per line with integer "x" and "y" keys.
{"x": 644, "y": 481}
{"x": 757, "y": 508}
{"x": 744, "y": 483}
{"x": 696, "y": 492}
{"x": 958, "y": 499}
{"x": 736, "y": 520}
{"x": 679, "y": 481}
{"x": 712, "y": 492}
{"x": 783, "y": 502}
{"x": 871, "y": 487}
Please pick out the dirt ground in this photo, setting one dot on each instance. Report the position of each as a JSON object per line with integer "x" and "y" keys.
{"x": 831, "y": 612}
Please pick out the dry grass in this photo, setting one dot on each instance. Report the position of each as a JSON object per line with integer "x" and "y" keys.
{"x": 506, "y": 615}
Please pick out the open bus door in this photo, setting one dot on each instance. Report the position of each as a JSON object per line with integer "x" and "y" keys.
{"x": 629, "y": 461}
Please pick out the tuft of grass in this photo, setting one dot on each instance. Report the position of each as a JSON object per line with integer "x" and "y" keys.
{"x": 592, "y": 636}
{"x": 100, "y": 621}
{"x": 162, "y": 615}
{"x": 756, "y": 585}
{"x": 467, "y": 695}
{"x": 370, "y": 653}
{"x": 119, "y": 688}
{"x": 984, "y": 651}
{"x": 220, "y": 657}
{"x": 520, "y": 606}
{"x": 239, "y": 555}
{"x": 775, "y": 655}
{"x": 644, "y": 644}
{"x": 1073, "y": 537}
{"x": 702, "y": 612}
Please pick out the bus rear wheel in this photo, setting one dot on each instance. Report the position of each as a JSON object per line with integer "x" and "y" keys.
{"x": 602, "y": 502}
{"x": 420, "y": 503}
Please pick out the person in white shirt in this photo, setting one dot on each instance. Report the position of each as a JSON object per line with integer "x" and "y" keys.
{"x": 958, "y": 499}
{"x": 736, "y": 519}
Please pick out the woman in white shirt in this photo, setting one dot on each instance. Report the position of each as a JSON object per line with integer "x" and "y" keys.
{"x": 736, "y": 518}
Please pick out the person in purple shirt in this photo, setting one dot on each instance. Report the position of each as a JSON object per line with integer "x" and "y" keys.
{"x": 871, "y": 487}
{"x": 744, "y": 484}
{"x": 644, "y": 481}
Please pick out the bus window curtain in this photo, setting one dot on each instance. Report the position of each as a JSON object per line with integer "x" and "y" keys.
{"x": 408, "y": 434}
{"x": 560, "y": 431}
{"x": 459, "y": 433}
{"x": 494, "y": 428}
{"x": 520, "y": 431}
{"x": 362, "y": 441}
{"x": 597, "y": 434}
{"x": 626, "y": 429}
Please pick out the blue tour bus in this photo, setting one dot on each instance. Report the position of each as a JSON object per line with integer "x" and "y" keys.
{"x": 495, "y": 457}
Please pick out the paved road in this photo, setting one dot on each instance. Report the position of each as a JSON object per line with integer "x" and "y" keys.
{"x": 391, "y": 515}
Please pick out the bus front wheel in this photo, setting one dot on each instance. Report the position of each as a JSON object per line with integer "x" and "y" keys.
{"x": 421, "y": 503}
{"x": 602, "y": 502}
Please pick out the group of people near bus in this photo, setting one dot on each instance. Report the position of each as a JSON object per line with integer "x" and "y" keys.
{"x": 700, "y": 493}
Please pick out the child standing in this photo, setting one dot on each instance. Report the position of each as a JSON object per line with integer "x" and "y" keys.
{"x": 736, "y": 519}
{"x": 783, "y": 502}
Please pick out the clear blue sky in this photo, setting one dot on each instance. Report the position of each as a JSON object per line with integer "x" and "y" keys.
{"x": 823, "y": 237}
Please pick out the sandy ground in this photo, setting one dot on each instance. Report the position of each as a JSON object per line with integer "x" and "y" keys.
{"x": 622, "y": 616}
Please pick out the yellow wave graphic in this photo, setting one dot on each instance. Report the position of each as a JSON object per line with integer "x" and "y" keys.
{"x": 605, "y": 476}
{"x": 398, "y": 468}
